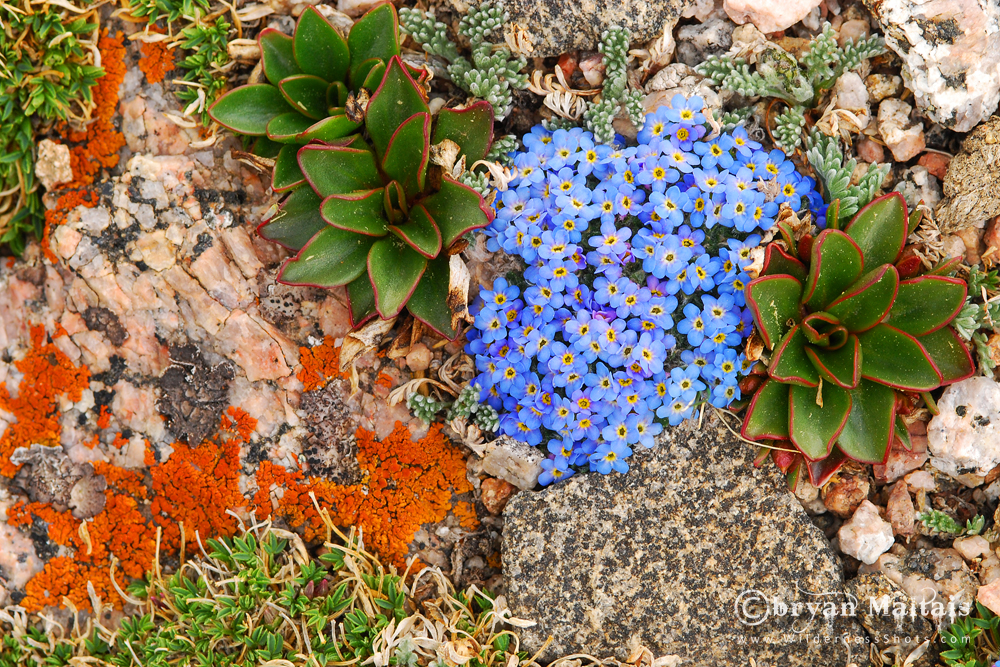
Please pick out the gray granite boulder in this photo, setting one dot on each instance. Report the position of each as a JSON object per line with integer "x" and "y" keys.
{"x": 693, "y": 553}
{"x": 555, "y": 27}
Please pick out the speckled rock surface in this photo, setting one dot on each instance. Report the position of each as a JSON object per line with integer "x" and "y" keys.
{"x": 662, "y": 555}
{"x": 951, "y": 55}
{"x": 558, "y": 26}
{"x": 972, "y": 184}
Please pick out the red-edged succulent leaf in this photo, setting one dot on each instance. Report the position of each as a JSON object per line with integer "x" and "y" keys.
{"x": 471, "y": 128}
{"x": 794, "y": 475}
{"x": 456, "y": 209}
{"x": 333, "y": 127}
{"x": 297, "y": 221}
{"x": 429, "y": 302}
{"x": 277, "y": 54}
{"x": 396, "y": 207}
{"x": 820, "y": 472}
{"x": 835, "y": 265}
{"x": 395, "y": 269}
{"x": 895, "y": 358}
{"x": 336, "y": 96}
{"x": 397, "y": 99}
{"x": 333, "y": 257}
{"x": 306, "y": 94}
{"x": 833, "y": 215}
{"x": 868, "y": 432}
{"x": 867, "y": 302}
{"x": 946, "y": 266}
{"x": 248, "y": 109}
{"x": 824, "y": 330}
{"x": 914, "y": 220}
{"x": 927, "y": 303}
{"x": 949, "y": 354}
{"x": 774, "y": 302}
{"x": 902, "y": 436}
{"x": 777, "y": 261}
{"x": 375, "y": 74}
{"x": 286, "y": 128}
{"x": 782, "y": 458}
{"x": 767, "y": 415}
{"x": 336, "y": 170}
{"x": 420, "y": 232}
{"x": 318, "y": 47}
{"x": 814, "y": 428}
{"x": 264, "y": 147}
{"x": 842, "y": 366}
{"x": 880, "y": 230}
{"x": 286, "y": 174}
{"x": 789, "y": 363}
{"x": 358, "y": 212}
{"x": 407, "y": 155}
{"x": 361, "y": 300}
{"x": 375, "y": 35}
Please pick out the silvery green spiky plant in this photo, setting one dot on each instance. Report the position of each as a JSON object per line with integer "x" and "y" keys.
{"x": 493, "y": 71}
{"x": 835, "y": 177}
{"x": 980, "y": 316}
{"x": 616, "y": 92}
{"x": 799, "y": 83}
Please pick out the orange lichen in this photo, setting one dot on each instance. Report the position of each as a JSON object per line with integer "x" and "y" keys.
{"x": 57, "y": 215}
{"x": 466, "y": 514}
{"x": 99, "y": 143}
{"x": 62, "y": 526}
{"x": 47, "y": 374}
{"x": 196, "y": 485}
{"x": 120, "y": 530}
{"x": 64, "y": 577}
{"x": 405, "y": 485}
{"x": 119, "y": 441}
{"x": 123, "y": 480}
{"x": 320, "y": 364}
{"x": 157, "y": 59}
{"x": 384, "y": 380}
{"x": 104, "y": 419}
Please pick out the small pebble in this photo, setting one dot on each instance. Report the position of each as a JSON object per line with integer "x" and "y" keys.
{"x": 936, "y": 163}
{"x": 419, "y": 358}
{"x": 496, "y": 493}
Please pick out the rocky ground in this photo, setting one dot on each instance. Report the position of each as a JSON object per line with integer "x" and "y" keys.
{"x": 157, "y": 386}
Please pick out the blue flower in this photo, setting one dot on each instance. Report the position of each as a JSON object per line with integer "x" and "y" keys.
{"x": 554, "y": 470}
{"x": 610, "y": 456}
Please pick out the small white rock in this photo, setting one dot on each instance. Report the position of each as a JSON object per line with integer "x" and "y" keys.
{"x": 964, "y": 438}
{"x": 53, "y": 166}
{"x": 866, "y": 536}
{"x": 903, "y": 137}
{"x": 768, "y": 15}
{"x": 972, "y": 547}
{"x": 513, "y": 461}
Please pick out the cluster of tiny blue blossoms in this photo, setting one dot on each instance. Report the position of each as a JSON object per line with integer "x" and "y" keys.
{"x": 630, "y": 311}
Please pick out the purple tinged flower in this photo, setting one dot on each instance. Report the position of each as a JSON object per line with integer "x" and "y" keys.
{"x": 611, "y": 239}
{"x": 644, "y": 428}
{"x": 693, "y": 325}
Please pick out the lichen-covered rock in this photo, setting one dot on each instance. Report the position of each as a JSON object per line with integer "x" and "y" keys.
{"x": 555, "y": 27}
{"x": 951, "y": 55}
{"x": 895, "y": 628}
{"x": 929, "y": 575}
{"x": 964, "y": 437}
{"x": 661, "y": 556}
{"x": 697, "y": 41}
{"x": 972, "y": 183}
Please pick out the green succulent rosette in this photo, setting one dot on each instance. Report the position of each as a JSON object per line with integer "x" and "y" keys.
{"x": 846, "y": 336}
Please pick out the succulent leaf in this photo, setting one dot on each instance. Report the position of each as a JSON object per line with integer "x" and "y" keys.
{"x": 358, "y": 212}
{"x": 902, "y": 435}
{"x": 814, "y": 428}
{"x": 372, "y": 75}
{"x": 896, "y": 359}
{"x": 842, "y": 366}
{"x": 429, "y": 302}
{"x": 456, "y": 209}
{"x": 868, "y": 432}
{"x": 336, "y": 96}
{"x": 375, "y": 35}
{"x": 335, "y": 170}
{"x": 777, "y": 261}
{"x": 420, "y": 232}
{"x": 395, "y": 269}
{"x": 471, "y": 128}
{"x": 319, "y": 49}
{"x": 397, "y": 99}
{"x": 408, "y": 152}
{"x": 331, "y": 128}
{"x": 774, "y": 301}
{"x": 790, "y": 364}
{"x": 286, "y": 174}
{"x": 949, "y": 353}
{"x": 836, "y": 264}
{"x": 277, "y": 53}
{"x": 297, "y": 221}
{"x": 824, "y": 330}
{"x": 333, "y": 257}
{"x": 880, "y": 230}
{"x": 286, "y": 128}
{"x": 361, "y": 299}
{"x": 866, "y": 303}
{"x": 767, "y": 415}
{"x": 927, "y": 303}
{"x": 821, "y": 471}
{"x": 248, "y": 109}
{"x": 306, "y": 94}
